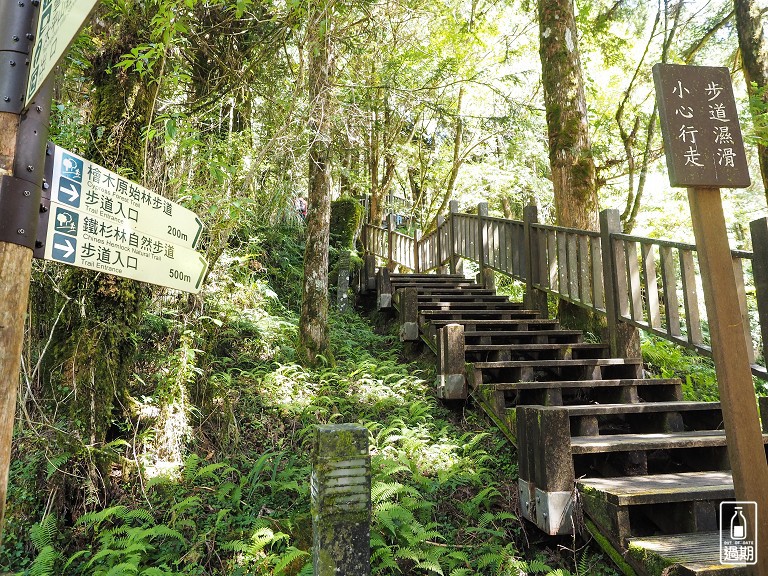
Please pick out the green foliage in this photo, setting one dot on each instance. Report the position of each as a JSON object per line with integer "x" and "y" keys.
{"x": 667, "y": 360}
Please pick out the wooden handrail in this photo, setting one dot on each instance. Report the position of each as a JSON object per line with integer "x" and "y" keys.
{"x": 652, "y": 283}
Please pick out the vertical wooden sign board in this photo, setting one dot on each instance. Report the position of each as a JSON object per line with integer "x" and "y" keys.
{"x": 704, "y": 149}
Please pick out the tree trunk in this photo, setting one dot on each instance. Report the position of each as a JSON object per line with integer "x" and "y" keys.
{"x": 313, "y": 325}
{"x": 570, "y": 151}
{"x": 754, "y": 56}
{"x": 94, "y": 352}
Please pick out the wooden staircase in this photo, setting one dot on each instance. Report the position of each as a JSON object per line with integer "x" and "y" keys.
{"x": 600, "y": 446}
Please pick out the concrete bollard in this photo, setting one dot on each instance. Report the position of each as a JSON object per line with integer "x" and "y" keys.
{"x": 341, "y": 501}
{"x": 451, "y": 382}
{"x": 408, "y": 300}
{"x": 383, "y": 289}
{"x": 342, "y": 290}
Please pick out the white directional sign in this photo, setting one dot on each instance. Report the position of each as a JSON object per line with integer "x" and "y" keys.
{"x": 81, "y": 239}
{"x": 96, "y": 192}
{"x": 59, "y": 22}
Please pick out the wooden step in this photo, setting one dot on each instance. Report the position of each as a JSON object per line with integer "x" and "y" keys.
{"x": 536, "y": 370}
{"x": 490, "y": 324}
{"x": 661, "y": 488}
{"x": 580, "y": 384}
{"x": 544, "y": 351}
{"x": 473, "y": 304}
{"x": 500, "y": 334}
{"x": 462, "y": 297}
{"x": 637, "y": 442}
{"x": 425, "y": 275}
{"x": 433, "y": 282}
{"x": 696, "y": 554}
{"x": 656, "y": 453}
{"x": 430, "y": 291}
{"x": 626, "y": 507}
{"x": 644, "y": 418}
{"x": 578, "y": 392}
{"x": 475, "y": 313}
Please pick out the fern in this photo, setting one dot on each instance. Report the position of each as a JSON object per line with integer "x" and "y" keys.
{"x": 44, "y": 532}
{"x": 290, "y": 555}
{"x": 45, "y": 562}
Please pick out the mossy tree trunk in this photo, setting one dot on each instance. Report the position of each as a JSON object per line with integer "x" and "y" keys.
{"x": 753, "y": 44}
{"x": 313, "y": 324}
{"x": 570, "y": 150}
{"x": 94, "y": 351}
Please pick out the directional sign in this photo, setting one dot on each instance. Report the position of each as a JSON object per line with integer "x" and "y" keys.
{"x": 96, "y": 192}
{"x": 59, "y": 22}
{"x": 81, "y": 239}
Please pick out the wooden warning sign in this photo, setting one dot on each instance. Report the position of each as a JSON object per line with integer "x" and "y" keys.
{"x": 700, "y": 126}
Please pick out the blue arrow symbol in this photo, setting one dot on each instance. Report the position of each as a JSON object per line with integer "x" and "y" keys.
{"x": 68, "y": 250}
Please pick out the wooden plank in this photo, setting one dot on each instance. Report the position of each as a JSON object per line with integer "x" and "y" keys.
{"x": 572, "y": 254}
{"x": 669, "y": 291}
{"x": 518, "y": 239}
{"x": 738, "y": 274}
{"x": 540, "y": 239}
{"x": 620, "y": 270}
{"x": 690, "y": 297}
{"x": 651, "y": 285}
{"x": 598, "y": 286}
{"x": 585, "y": 383}
{"x": 585, "y": 286}
{"x": 562, "y": 264}
{"x": 552, "y": 258}
{"x": 746, "y": 450}
{"x": 662, "y": 488}
{"x": 635, "y": 287}
{"x": 630, "y": 442}
{"x": 699, "y": 553}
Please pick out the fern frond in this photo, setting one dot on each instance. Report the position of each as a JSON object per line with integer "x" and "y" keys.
{"x": 45, "y": 562}
{"x": 95, "y": 519}
{"x": 290, "y": 555}
{"x": 123, "y": 568}
{"x": 140, "y": 514}
{"x": 43, "y": 533}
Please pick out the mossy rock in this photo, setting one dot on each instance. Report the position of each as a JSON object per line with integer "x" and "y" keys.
{"x": 346, "y": 216}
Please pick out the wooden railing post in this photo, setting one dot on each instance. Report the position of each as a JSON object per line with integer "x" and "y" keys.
{"x": 391, "y": 226}
{"x": 534, "y": 299}
{"x": 624, "y": 339}
{"x": 416, "y": 246}
{"x": 486, "y": 275}
{"x": 759, "y": 231}
{"x": 439, "y": 241}
{"x": 453, "y": 237}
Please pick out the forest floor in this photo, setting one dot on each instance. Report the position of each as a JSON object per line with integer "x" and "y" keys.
{"x": 231, "y": 496}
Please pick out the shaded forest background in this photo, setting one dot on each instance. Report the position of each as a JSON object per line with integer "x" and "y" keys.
{"x": 165, "y": 433}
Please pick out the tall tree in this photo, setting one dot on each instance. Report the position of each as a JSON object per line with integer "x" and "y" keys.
{"x": 570, "y": 151}
{"x": 753, "y": 44}
{"x": 313, "y": 325}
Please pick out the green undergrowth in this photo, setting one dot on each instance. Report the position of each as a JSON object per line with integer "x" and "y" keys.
{"x": 210, "y": 474}
{"x": 663, "y": 359}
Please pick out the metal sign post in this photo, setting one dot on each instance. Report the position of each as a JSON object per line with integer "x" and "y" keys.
{"x": 704, "y": 150}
